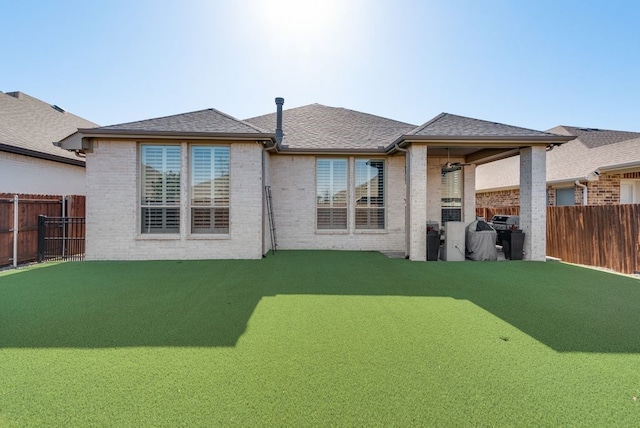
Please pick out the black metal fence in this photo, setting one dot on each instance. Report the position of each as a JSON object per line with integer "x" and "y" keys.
{"x": 60, "y": 238}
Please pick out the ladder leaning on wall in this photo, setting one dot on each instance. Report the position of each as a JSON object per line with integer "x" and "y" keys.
{"x": 272, "y": 227}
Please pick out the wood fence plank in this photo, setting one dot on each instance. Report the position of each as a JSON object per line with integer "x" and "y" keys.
{"x": 606, "y": 236}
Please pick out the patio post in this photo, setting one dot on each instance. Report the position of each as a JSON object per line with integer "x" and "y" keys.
{"x": 417, "y": 202}
{"x": 533, "y": 202}
{"x": 469, "y": 192}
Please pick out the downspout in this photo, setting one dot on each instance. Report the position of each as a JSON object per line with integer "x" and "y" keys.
{"x": 584, "y": 192}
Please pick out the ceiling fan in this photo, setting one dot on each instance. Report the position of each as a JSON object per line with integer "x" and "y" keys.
{"x": 451, "y": 166}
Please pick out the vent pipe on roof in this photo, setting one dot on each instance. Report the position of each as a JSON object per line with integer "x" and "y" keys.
{"x": 279, "y": 132}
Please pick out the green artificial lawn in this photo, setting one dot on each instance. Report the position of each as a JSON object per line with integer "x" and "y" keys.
{"x": 312, "y": 338}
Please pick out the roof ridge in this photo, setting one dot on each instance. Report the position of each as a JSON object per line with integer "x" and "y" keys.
{"x": 588, "y": 128}
{"x": 236, "y": 119}
{"x": 499, "y": 123}
{"x": 428, "y": 122}
{"x": 332, "y": 108}
{"x": 156, "y": 118}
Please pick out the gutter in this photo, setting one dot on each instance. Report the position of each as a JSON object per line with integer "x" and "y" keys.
{"x": 136, "y": 134}
{"x": 40, "y": 155}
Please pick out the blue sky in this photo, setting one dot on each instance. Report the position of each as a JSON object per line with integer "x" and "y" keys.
{"x": 535, "y": 64}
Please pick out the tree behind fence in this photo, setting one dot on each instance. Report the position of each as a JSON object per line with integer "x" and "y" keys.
{"x": 29, "y": 208}
{"x": 606, "y": 236}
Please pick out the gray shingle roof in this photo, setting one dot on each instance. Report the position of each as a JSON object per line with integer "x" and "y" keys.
{"x": 203, "y": 121}
{"x": 592, "y": 137}
{"x": 317, "y": 126}
{"x": 592, "y": 149}
{"x": 446, "y": 124}
{"x": 30, "y": 124}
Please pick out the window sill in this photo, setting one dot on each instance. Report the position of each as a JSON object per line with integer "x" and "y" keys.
{"x": 332, "y": 232}
{"x": 158, "y": 237}
{"x": 209, "y": 237}
{"x": 370, "y": 232}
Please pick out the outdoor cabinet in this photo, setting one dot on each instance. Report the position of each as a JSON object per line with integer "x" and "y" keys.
{"x": 433, "y": 245}
{"x": 454, "y": 241}
{"x": 512, "y": 244}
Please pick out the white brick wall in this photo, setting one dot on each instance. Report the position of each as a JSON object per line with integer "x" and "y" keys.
{"x": 29, "y": 175}
{"x": 293, "y": 180}
{"x": 533, "y": 204}
{"x": 113, "y": 213}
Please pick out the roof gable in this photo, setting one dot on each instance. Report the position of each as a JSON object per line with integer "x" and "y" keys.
{"x": 210, "y": 121}
{"x": 446, "y": 124}
{"x": 320, "y": 127}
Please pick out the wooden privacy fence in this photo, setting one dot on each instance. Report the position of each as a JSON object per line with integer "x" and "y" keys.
{"x": 606, "y": 236}
{"x": 488, "y": 212}
{"x": 29, "y": 207}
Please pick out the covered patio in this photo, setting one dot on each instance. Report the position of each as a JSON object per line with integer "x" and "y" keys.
{"x": 455, "y": 143}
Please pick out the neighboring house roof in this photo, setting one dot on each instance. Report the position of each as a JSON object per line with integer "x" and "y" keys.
{"x": 591, "y": 150}
{"x": 446, "y": 124}
{"x": 320, "y": 127}
{"x": 29, "y": 126}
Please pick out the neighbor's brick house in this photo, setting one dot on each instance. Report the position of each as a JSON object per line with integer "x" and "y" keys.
{"x": 605, "y": 163}
{"x": 192, "y": 186}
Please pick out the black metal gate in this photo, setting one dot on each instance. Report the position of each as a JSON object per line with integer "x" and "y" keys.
{"x": 60, "y": 238}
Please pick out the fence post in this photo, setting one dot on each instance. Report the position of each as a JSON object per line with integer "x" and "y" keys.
{"x": 64, "y": 225}
{"x": 15, "y": 230}
{"x": 42, "y": 230}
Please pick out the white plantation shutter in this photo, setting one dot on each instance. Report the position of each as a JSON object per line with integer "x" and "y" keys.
{"x": 369, "y": 194}
{"x": 331, "y": 193}
{"x": 160, "y": 178}
{"x": 452, "y": 195}
{"x": 209, "y": 189}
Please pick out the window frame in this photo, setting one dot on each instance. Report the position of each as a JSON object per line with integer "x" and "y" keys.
{"x": 144, "y": 208}
{"x": 451, "y": 206}
{"x": 338, "y": 211}
{"x": 563, "y": 189}
{"x": 369, "y": 209}
{"x": 634, "y": 185}
{"x": 213, "y": 207}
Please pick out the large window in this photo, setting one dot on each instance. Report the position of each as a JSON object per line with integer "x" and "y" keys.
{"x": 331, "y": 193}
{"x": 209, "y": 189}
{"x": 452, "y": 190}
{"x": 369, "y": 194}
{"x": 161, "y": 197}
{"x": 160, "y": 193}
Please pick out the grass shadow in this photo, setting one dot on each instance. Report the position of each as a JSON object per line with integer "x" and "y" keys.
{"x": 208, "y": 303}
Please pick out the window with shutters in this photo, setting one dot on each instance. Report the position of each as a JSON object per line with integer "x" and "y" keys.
{"x": 209, "y": 189}
{"x": 160, "y": 193}
{"x": 331, "y": 193}
{"x": 452, "y": 190}
{"x": 369, "y": 194}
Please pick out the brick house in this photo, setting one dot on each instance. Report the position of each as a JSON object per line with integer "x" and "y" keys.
{"x": 597, "y": 167}
{"x": 29, "y": 162}
{"x": 192, "y": 186}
